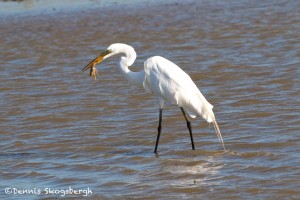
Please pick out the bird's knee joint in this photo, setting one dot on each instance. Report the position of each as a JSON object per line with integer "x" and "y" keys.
{"x": 188, "y": 123}
{"x": 159, "y": 128}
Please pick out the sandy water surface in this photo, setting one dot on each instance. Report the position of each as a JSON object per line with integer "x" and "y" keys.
{"x": 61, "y": 130}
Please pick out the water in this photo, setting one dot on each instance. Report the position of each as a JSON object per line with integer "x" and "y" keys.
{"x": 60, "y": 129}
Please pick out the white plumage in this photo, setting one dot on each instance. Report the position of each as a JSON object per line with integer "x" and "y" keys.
{"x": 170, "y": 83}
{"x": 167, "y": 81}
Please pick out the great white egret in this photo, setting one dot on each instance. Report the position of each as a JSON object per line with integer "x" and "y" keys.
{"x": 166, "y": 80}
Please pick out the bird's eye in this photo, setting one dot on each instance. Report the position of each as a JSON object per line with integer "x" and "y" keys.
{"x": 104, "y": 53}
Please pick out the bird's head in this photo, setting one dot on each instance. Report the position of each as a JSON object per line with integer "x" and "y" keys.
{"x": 113, "y": 49}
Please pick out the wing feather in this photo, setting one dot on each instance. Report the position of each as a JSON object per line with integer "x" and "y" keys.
{"x": 171, "y": 83}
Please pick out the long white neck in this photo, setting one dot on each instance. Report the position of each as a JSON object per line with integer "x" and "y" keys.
{"x": 136, "y": 78}
{"x": 128, "y": 57}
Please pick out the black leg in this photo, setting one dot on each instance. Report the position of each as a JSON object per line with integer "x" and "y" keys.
{"x": 188, "y": 123}
{"x": 158, "y": 130}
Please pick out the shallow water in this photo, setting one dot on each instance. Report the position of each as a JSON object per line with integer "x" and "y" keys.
{"x": 60, "y": 129}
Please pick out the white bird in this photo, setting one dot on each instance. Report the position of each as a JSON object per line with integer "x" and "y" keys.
{"x": 166, "y": 80}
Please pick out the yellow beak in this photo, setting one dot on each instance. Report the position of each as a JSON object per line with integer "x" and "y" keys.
{"x": 96, "y": 60}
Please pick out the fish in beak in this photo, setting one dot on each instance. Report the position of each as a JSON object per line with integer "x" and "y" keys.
{"x": 92, "y": 65}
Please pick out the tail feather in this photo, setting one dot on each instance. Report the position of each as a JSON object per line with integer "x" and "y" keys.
{"x": 209, "y": 116}
{"x": 218, "y": 132}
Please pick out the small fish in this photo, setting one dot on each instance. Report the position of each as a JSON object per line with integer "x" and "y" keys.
{"x": 94, "y": 72}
